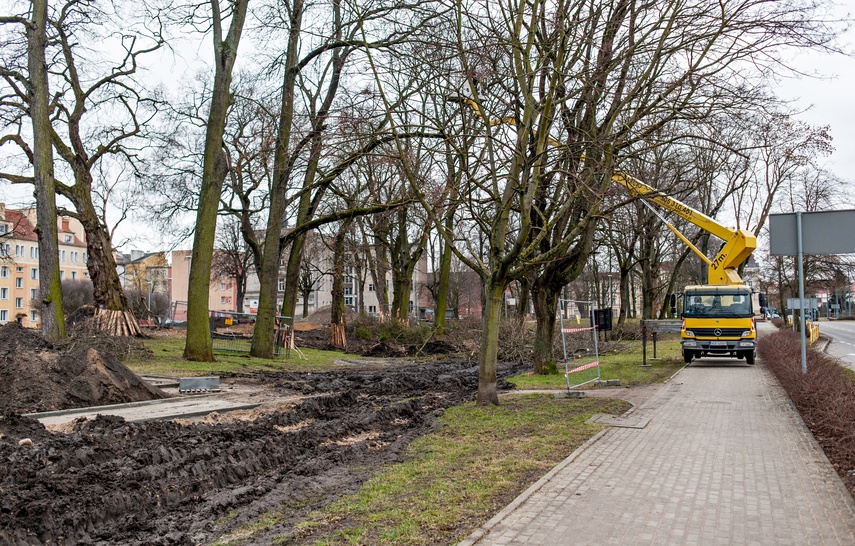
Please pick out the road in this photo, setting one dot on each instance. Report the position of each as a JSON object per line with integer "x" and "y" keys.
{"x": 843, "y": 345}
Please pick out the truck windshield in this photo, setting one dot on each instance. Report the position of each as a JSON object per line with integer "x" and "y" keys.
{"x": 717, "y": 305}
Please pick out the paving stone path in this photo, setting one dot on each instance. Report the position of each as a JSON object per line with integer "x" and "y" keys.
{"x": 725, "y": 459}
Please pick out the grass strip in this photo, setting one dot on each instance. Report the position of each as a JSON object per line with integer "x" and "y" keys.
{"x": 456, "y": 478}
{"x": 166, "y": 358}
{"x": 618, "y": 360}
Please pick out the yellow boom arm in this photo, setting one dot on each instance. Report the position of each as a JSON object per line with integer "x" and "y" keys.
{"x": 738, "y": 243}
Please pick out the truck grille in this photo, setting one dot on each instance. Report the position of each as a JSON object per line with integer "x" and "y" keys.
{"x": 711, "y": 332}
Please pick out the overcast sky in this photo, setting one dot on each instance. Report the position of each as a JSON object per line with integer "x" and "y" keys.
{"x": 829, "y": 100}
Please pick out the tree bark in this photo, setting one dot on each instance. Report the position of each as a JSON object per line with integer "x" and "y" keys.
{"x": 545, "y": 308}
{"x": 198, "y": 345}
{"x": 262, "y": 339}
{"x": 337, "y": 315}
{"x": 50, "y": 285}
{"x": 442, "y": 290}
{"x": 487, "y": 390}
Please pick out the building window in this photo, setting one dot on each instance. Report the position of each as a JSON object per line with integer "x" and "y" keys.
{"x": 4, "y": 315}
{"x": 33, "y": 250}
{"x": 370, "y": 287}
{"x": 74, "y": 275}
{"x": 74, "y": 255}
{"x": 19, "y": 269}
{"x": 222, "y": 299}
{"x": 85, "y": 275}
{"x": 19, "y": 282}
{"x": 69, "y": 238}
{"x": 3, "y": 229}
{"x": 34, "y": 273}
{"x": 34, "y": 293}
{"x": 281, "y": 284}
{"x": 61, "y": 274}
{"x": 4, "y": 293}
{"x": 34, "y": 316}
{"x": 222, "y": 286}
{"x": 348, "y": 302}
{"x": 372, "y": 309}
{"x": 4, "y": 249}
{"x": 19, "y": 303}
{"x": 4, "y": 271}
{"x": 348, "y": 290}
{"x": 19, "y": 251}
{"x": 84, "y": 257}
{"x": 62, "y": 255}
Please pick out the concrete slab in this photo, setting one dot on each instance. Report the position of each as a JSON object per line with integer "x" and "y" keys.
{"x": 629, "y": 421}
{"x": 169, "y": 408}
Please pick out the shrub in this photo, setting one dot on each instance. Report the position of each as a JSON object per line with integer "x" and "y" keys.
{"x": 824, "y": 396}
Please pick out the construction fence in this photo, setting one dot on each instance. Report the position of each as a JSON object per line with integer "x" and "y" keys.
{"x": 233, "y": 332}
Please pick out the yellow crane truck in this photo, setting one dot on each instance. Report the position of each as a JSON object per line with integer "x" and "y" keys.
{"x": 718, "y": 317}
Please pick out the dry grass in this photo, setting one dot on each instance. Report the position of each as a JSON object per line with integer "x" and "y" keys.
{"x": 824, "y": 396}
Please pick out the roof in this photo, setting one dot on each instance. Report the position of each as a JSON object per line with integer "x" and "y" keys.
{"x": 21, "y": 226}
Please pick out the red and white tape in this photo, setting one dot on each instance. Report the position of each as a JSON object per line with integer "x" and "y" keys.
{"x": 584, "y": 367}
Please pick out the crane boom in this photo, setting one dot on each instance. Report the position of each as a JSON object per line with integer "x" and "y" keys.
{"x": 738, "y": 243}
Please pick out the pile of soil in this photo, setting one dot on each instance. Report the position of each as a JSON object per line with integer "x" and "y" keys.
{"x": 323, "y": 315}
{"x": 170, "y": 483}
{"x": 35, "y": 376}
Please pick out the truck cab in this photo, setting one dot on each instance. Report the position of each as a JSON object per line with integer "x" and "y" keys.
{"x": 718, "y": 320}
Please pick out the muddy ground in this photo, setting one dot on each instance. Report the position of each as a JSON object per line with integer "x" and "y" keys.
{"x": 169, "y": 483}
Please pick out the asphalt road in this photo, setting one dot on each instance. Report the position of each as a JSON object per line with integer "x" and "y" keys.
{"x": 843, "y": 336}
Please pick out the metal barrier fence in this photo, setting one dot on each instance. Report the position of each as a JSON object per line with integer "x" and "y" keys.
{"x": 579, "y": 368}
{"x": 233, "y": 332}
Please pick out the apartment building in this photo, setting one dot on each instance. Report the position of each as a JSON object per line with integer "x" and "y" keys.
{"x": 358, "y": 294}
{"x": 19, "y": 262}
{"x": 222, "y": 295}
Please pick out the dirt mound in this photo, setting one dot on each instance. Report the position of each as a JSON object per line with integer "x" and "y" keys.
{"x": 164, "y": 483}
{"x": 34, "y": 376}
{"x": 322, "y": 316}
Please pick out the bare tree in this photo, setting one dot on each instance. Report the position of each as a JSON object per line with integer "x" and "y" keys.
{"x": 598, "y": 79}
{"x": 230, "y": 259}
{"x": 33, "y": 87}
{"x": 99, "y": 116}
{"x": 214, "y": 170}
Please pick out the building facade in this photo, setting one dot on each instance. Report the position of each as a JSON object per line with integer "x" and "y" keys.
{"x": 19, "y": 262}
{"x": 223, "y": 292}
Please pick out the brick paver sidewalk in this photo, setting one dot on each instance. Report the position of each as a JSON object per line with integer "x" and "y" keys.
{"x": 725, "y": 459}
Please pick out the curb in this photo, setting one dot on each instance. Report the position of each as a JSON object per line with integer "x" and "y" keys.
{"x": 485, "y": 529}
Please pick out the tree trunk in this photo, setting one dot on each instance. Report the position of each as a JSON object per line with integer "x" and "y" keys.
{"x": 624, "y": 296}
{"x": 305, "y": 296}
{"x": 487, "y": 393}
{"x": 337, "y": 315}
{"x": 545, "y": 308}
{"x": 262, "y": 339}
{"x": 50, "y": 285}
{"x": 198, "y": 345}
{"x": 108, "y": 294}
{"x": 441, "y": 304}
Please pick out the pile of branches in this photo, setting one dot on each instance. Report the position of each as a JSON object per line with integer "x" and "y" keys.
{"x": 824, "y": 396}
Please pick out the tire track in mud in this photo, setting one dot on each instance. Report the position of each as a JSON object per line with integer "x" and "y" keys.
{"x": 111, "y": 482}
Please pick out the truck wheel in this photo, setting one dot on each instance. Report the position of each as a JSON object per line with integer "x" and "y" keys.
{"x": 749, "y": 358}
{"x": 687, "y": 357}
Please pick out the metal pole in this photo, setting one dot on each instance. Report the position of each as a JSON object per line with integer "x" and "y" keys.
{"x": 801, "y": 292}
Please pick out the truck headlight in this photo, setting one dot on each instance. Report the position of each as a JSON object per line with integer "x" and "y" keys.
{"x": 691, "y": 343}
{"x": 690, "y": 333}
{"x": 746, "y": 333}
{"x": 746, "y": 344}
